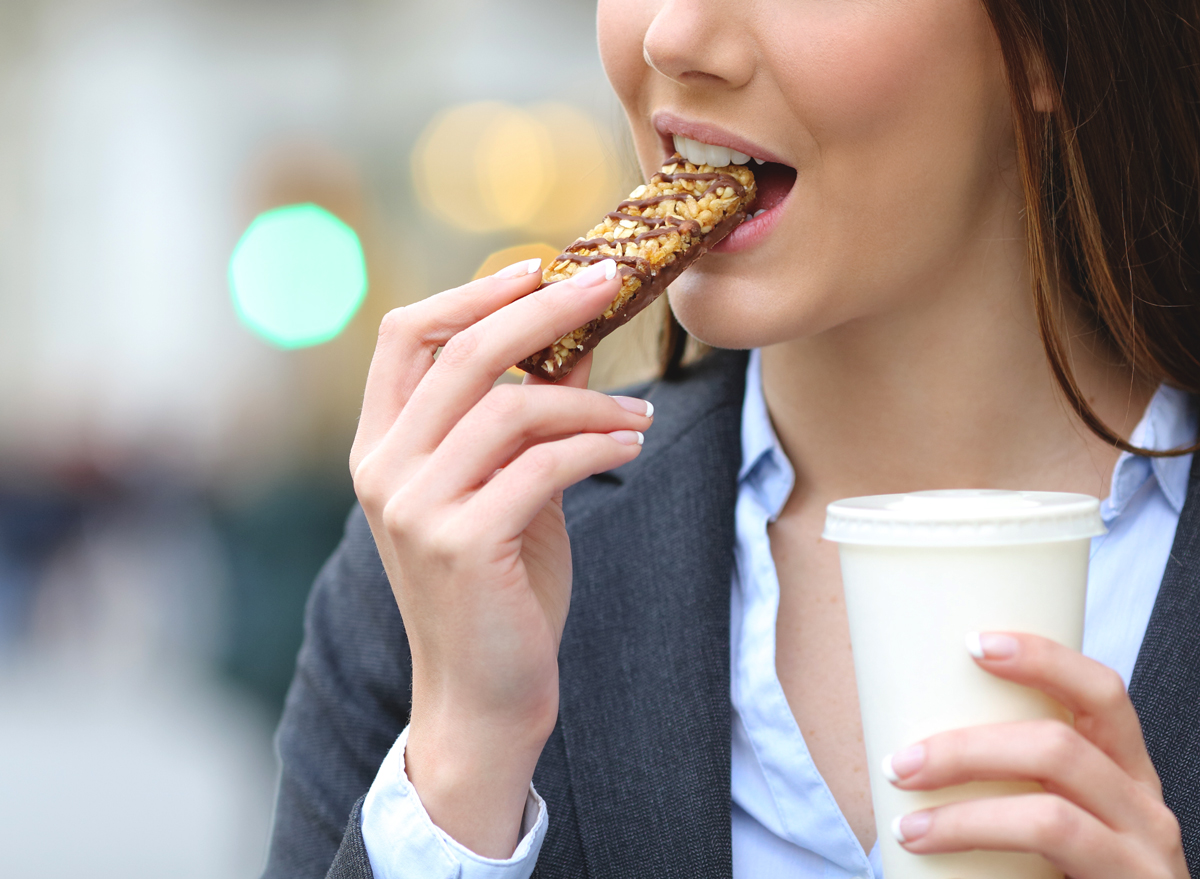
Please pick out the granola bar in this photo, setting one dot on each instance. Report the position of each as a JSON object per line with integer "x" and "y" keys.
{"x": 660, "y": 230}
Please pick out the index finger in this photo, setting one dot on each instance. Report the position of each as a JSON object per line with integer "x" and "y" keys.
{"x": 477, "y": 356}
{"x": 1091, "y": 691}
{"x": 410, "y": 336}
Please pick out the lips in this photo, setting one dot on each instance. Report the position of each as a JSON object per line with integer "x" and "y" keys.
{"x": 703, "y": 144}
{"x": 774, "y": 179}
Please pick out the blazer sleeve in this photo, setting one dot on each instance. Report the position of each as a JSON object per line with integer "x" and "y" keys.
{"x": 348, "y": 702}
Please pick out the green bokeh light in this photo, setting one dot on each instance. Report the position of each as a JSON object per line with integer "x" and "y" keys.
{"x": 298, "y": 276}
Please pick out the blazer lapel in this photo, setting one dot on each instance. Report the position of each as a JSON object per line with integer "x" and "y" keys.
{"x": 1165, "y": 687}
{"x": 645, "y": 656}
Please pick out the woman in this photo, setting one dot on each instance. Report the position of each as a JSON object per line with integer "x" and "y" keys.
{"x": 976, "y": 268}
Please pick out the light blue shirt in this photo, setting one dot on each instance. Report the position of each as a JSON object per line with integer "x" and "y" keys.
{"x": 785, "y": 820}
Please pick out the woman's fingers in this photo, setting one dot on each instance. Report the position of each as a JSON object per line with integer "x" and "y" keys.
{"x": 1046, "y": 751}
{"x": 511, "y": 418}
{"x": 537, "y": 475}
{"x": 1066, "y": 835}
{"x": 1094, "y": 693}
{"x": 473, "y": 359}
{"x": 1102, "y": 814}
{"x": 408, "y": 338}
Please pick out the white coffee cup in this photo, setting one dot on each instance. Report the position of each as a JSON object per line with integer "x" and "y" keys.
{"x": 921, "y": 573}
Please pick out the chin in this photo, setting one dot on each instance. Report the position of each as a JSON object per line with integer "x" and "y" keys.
{"x": 726, "y": 312}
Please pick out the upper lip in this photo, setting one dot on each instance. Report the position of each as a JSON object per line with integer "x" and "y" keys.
{"x": 668, "y": 124}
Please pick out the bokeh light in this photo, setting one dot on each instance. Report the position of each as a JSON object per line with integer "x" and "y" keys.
{"x": 487, "y": 167}
{"x": 298, "y": 276}
{"x": 510, "y": 255}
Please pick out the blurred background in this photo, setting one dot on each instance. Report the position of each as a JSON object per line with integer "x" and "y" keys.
{"x": 205, "y": 208}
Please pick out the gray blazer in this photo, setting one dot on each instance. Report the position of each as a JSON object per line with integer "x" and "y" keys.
{"x": 636, "y": 772}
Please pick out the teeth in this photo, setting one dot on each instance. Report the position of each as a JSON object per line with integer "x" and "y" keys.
{"x": 761, "y": 161}
{"x": 758, "y": 213}
{"x": 707, "y": 154}
{"x": 718, "y": 157}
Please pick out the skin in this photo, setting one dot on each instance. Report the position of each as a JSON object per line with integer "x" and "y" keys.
{"x": 479, "y": 560}
{"x": 900, "y": 352}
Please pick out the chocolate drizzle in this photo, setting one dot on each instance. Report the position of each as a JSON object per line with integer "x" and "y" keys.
{"x": 589, "y": 244}
{"x": 687, "y": 227}
{"x": 686, "y": 239}
{"x": 719, "y": 178}
{"x": 719, "y": 181}
{"x": 679, "y": 227}
{"x": 653, "y": 200}
{"x": 649, "y": 221}
{"x": 640, "y": 267}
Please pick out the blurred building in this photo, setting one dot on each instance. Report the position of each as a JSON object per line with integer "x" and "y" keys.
{"x": 169, "y": 480}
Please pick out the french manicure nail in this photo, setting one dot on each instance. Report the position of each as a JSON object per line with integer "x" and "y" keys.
{"x": 605, "y": 270}
{"x": 519, "y": 269}
{"x": 908, "y": 828}
{"x": 902, "y": 764}
{"x": 628, "y": 437}
{"x": 635, "y": 405}
{"x": 991, "y": 646}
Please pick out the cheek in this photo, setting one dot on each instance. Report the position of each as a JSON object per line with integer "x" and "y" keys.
{"x": 899, "y": 116}
{"x": 855, "y": 71}
{"x": 913, "y": 110}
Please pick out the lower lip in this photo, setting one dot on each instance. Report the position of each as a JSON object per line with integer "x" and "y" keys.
{"x": 753, "y": 232}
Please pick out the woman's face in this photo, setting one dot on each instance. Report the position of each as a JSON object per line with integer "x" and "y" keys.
{"x": 892, "y": 118}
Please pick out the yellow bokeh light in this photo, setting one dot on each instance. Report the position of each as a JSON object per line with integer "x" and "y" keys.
{"x": 511, "y": 255}
{"x": 514, "y": 162}
{"x": 483, "y": 167}
{"x": 586, "y": 182}
{"x": 487, "y": 167}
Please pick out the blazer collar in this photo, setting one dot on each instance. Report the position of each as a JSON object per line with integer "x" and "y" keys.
{"x": 644, "y": 661}
{"x": 1165, "y": 686}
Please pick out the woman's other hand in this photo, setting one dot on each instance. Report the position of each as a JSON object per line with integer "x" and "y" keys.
{"x": 462, "y": 486}
{"x": 1102, "y": 814}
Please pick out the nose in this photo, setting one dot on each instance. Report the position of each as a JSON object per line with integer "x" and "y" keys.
{"x": 700, "y": 42}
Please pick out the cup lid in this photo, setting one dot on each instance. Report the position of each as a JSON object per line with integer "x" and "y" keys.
{"x": 963, "y": 517}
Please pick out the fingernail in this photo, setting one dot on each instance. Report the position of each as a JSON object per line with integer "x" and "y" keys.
{"x": 909, "y": 828}
{"x": 990, "y": 646}
{"x": 605, "y": 270}
{"x": 635, "y": 405}
{"x": 628, "y": 437}
{"x": 902, "y": 764}
{"x": 519, "y": 269}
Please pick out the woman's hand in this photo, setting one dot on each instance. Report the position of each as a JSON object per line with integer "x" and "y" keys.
{"x": 1102, "y": 814}
{"x": 462, "y": 486}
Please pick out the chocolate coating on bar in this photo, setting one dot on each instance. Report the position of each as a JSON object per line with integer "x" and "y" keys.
{"x": 653, "y": 236}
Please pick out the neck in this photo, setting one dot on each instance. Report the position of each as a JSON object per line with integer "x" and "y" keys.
{"x": 952, "y": 390}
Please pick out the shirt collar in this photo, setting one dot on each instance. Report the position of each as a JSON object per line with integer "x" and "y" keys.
{"x": 1170, "y": 421}
{"x": 765, "y": 469}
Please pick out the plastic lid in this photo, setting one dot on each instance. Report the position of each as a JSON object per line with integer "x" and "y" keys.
{"x": 964, "y": 517}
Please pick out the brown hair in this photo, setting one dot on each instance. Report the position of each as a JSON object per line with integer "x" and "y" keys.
{"x": 1111, "y": 177}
